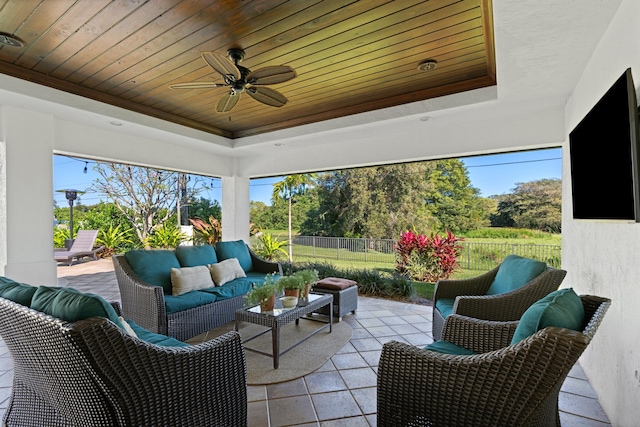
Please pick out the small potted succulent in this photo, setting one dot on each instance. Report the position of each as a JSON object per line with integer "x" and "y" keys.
{"x": 308, "y": 278}
{"x": 264, "y": 294}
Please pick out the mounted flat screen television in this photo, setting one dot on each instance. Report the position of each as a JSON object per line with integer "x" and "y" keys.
{"x": 604, "y": 157}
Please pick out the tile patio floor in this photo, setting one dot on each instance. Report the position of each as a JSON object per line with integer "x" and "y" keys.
{"x": 343, "y": 391}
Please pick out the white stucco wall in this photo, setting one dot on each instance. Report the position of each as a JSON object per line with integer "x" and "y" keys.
{"x": 602, "y": 257}
{"x": 27, "y": 235}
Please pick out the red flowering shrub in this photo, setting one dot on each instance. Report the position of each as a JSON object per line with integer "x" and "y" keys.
{"x": 427, "y": 259}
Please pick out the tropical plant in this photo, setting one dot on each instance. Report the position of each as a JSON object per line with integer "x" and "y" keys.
{"x": 269, "y": 247}
{"x": 207, "y": 232}
{"x": 112, "y": 239}
{"x": 60, "y": 234}
{"x": 287, "y": 189}
{"x": 427, "y": 258}
{"x": 259, "y": 293}
{"x": 308, "y": 278}
{"x": 167, "y": 236}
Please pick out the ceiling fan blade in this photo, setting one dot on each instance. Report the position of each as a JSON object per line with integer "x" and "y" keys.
{"x": 271, "y": 75}
{"x": 221, "y": 64}
{"x": 267, "y": 96}
{"x": 227, "y": 102}
{"x": 195, "y": 85}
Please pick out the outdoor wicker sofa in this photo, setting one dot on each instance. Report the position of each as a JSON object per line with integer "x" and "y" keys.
{"x": 471, "y": 297}
{"x": 92, "y": 373}
{"x": 503, "y": 385}
{"x": 145, "y": 303}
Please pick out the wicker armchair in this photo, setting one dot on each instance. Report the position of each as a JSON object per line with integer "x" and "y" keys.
{"x": 91, "y": 373}
{"x": 471, "y": 300}
{"x": 505, "y": 385}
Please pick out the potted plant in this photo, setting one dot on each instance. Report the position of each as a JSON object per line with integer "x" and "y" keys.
{"x": 291, "y": 285}
{"x": 308, "y": 278}
{"x": 264, "y": 294}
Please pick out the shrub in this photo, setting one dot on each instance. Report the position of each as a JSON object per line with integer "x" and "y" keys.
{"x": 167, "y": 236}
{"x": 427, "y": 258}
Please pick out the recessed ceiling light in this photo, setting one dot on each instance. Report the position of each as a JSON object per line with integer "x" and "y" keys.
{"x": 425, "y": 118}
{"x": 279, "y": 144}
{"x": 116, "y": 123}
{"x": 428, "y": 65}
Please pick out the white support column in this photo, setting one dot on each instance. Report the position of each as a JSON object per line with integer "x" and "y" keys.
{"x": 235, "y": 208}
{"x": 26, "y": 183}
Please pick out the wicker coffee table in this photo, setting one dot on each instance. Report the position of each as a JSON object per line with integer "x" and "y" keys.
{"x": 276, "y": 319}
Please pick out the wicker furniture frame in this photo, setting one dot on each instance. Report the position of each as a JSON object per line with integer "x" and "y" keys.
{"x": 276, "y": 322}
{"x": 91, "y": 373}
{"x": 505, "y": 385}
{"x": 344, "y": 301}
{"x": 144, "y": 303}
{"x": 471, "y": 300}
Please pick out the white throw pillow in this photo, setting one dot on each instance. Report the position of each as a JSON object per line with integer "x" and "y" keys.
{"x": 188, "y": 279}
{"x": 127, "y": 327}
{"x": 225, "y": 271}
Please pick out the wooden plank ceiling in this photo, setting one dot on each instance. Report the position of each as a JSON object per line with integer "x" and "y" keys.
{"x": 350, "y": 56}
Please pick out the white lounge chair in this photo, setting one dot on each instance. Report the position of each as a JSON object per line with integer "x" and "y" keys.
{"x": 82, "y": 247}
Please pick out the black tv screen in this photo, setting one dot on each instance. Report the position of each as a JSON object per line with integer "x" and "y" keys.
{"x": 604, "y": 157}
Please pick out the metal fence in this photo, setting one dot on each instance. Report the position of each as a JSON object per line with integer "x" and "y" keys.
{"x": 474, "y": 256}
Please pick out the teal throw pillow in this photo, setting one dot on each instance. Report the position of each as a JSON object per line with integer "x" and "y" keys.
{"x": 562, "y": 308}
{"x": 72, "y": 305}
{"x": 16, "y": 292}
{"x": 237, "y": 249}
{"x": 153, "y": 266}
{"x": 445, "y": 347}
{"x": 194, "y": 256}
{"x": 514, "y": 272}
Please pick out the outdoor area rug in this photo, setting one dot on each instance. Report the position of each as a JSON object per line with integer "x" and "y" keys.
{"x": 297, "y": 362}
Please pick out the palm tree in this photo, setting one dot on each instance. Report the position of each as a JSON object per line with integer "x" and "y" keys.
{"x": 287, "y": 189}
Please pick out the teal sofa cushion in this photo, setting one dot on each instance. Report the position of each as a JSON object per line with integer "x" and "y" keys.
{"x": 16, "y": 292}
{"x": 194, "y": 256}
{"x": 562, "y": 308}
{"x": 445, "y": 306}
{"x": 259, "y": 278}
{"x": 231, "y": 289}
{"x": 237, "y": 249}
{"x": 174, "y": 304}
{"x": 514, "y": 272}
{"x": 153, "y": 266}
{"x": 153, "y": 338}
{"x": 445, "y": 347}
{"x": 72, "y": 305}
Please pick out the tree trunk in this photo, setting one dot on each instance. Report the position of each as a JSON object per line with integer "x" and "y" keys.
{"x": 290, "y": 243}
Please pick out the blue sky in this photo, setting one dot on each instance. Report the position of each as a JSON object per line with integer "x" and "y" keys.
{"x": 492, "y": 174}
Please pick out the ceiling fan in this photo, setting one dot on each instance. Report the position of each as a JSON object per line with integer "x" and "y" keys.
{"x": 241, "y": 79}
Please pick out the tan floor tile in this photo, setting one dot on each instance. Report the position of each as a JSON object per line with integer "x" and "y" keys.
{"x": 334, "y": 405}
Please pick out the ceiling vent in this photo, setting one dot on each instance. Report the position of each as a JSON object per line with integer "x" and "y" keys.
{"x": 9, "y": 40}
{"x": 428, "y": 65}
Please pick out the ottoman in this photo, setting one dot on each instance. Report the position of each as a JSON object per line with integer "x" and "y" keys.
{"x": 345, "y": 295}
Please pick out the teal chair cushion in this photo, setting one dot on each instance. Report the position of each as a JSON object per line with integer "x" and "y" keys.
{"x": 259, "y": 278}
{"x": 514, "y": 272}
{"x": 193, "y": 256}
{"x": 16, "y": 292}
{"x": 72, "y": 305}
{"x": 445, "y": 347}
{"x": 237, "y": 249}
{"x": 174, "y": 304}
{"x": 445, "y": 306}
{"x": 153, "y": 266}
{"x": 562, "y": 308}
{"x": 153, "y": 338}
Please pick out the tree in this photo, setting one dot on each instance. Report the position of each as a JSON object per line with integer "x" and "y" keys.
{"x": 204, "y": 208}
{"x": 146, "y": 197}
{"x": 383, "y": 201}
{"x": 535, "y": 205}
{"x": 287, "y": 189}
{"x": 453, "y": 200}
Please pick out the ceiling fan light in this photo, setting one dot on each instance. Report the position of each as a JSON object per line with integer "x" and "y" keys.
{"x": 9, "y": 40}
